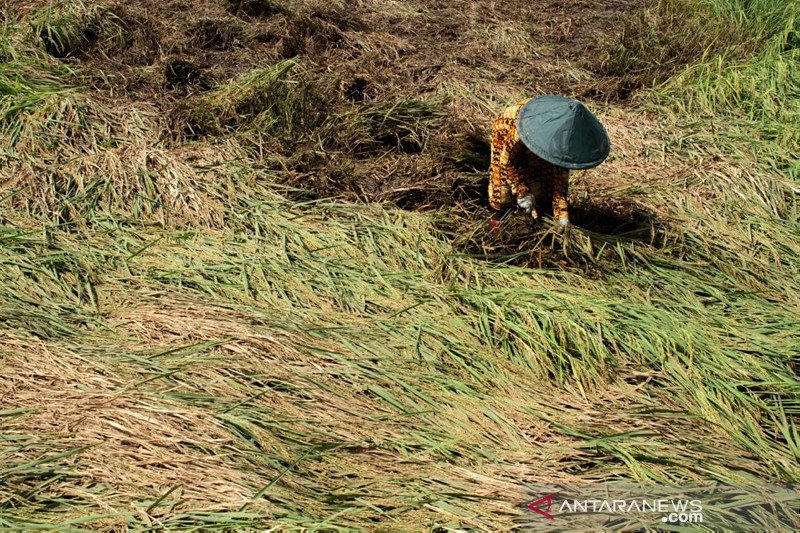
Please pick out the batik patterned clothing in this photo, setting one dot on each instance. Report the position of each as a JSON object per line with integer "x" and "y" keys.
{"x": 517, "y": 172}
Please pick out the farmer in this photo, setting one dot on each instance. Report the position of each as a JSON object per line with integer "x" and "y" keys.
{"x": 535, "y": 143}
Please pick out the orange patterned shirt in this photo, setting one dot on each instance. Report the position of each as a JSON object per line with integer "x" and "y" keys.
{"x": 517, "y": 172}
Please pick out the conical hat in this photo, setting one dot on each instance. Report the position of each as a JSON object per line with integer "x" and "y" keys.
{"x": 563, "y": 132}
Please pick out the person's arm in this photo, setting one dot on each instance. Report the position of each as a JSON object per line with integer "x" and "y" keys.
{"x": 500, "y": 193}
{"x": 507, "y": 182}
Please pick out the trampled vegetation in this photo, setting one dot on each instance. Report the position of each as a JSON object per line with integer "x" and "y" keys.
{"x": 246, "y": 278}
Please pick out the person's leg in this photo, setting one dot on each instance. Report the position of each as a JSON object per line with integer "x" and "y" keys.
{"x": 499, "y": 187}
{"x": 560, "y": 194}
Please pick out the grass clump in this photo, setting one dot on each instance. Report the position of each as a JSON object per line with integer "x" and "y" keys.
{"x": 69, "y": 28}
{"x": 269, "y": 101}
{"x": 314, "y": 26}
{"x": 34, "y": 98}
{"x": 763, "y": 88}
{"x": 68, "y": 156}
{"x": 660, "y": 41}
{"x": 405, "y": 125}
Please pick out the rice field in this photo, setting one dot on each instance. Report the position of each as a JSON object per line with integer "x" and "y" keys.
{"x": 247, "y": 281}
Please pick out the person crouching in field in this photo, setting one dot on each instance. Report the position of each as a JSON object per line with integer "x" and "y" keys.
{"x": 535, "y": 143}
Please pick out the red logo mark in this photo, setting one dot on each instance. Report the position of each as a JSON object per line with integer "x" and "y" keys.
{"x": 534, "y": 506}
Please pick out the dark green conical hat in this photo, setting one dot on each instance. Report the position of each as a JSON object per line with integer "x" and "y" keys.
{"x": 563, "y": 132}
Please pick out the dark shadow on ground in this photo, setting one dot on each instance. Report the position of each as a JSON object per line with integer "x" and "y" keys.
{"x": 607, "y": 235}
{"x": 620, "y": 218}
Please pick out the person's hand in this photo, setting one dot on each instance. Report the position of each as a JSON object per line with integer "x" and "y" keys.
{"x": 526, "y": 203}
